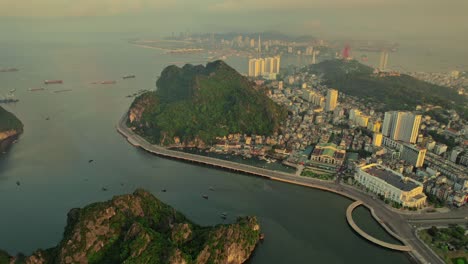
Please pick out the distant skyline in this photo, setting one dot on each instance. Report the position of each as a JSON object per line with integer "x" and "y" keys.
{"x": 357, "y": 18}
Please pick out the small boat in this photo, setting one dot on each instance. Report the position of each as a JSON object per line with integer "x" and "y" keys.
{"x": 128, "y": 77}
{"x": 211, "y": 188}
{"x": 47, "y": 118}
{"x": 163, "y": 190}
{"x": 261, "y": 236}
{"x": 205, "y": 196}
{"x": 12, "y": 90}
{"x": 89, "y": 161}
{"x": 18, "y": 183}
{"x": 104, "y": 189}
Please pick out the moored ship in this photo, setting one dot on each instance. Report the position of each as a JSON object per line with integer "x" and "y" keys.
{"x": 128, "y": 77}
{"x": 53, "y": 81}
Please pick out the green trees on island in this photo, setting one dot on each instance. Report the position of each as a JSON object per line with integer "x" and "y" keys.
{"x": 197, "y": 102}
{"x": 8, "y": 121}
{"x": 393, "y": 92}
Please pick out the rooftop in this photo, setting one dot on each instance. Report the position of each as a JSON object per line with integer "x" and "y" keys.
{"x": 391, "y": 178}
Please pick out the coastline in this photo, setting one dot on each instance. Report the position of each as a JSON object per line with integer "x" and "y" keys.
{"x": 8, "y": 141}
{"x": 393, "y": 224}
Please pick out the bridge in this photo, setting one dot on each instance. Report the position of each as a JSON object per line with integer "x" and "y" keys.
{"x": 349, "y": 218}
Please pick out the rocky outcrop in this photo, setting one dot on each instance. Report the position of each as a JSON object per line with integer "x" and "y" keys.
{"x": 138, "y": 228}
{"x": 10, "y": 128}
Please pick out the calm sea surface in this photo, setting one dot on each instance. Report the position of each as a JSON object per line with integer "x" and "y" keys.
{"x": 51, "y": 159}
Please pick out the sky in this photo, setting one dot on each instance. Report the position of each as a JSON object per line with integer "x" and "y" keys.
{"x": 377, "y": 19}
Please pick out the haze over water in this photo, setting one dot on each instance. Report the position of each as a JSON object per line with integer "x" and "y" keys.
{"x": 51, "y": 158}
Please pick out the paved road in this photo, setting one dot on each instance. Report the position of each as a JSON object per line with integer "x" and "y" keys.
{"x": 396, "y": 224}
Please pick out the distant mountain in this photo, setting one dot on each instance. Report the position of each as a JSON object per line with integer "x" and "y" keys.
{"x": 198, "y": 104}
{"x": 138, "y": 228}
{"x": 10, "y": 128}
{"x": 393, "y": 92}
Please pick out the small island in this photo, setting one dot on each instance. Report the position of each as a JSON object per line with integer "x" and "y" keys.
{"x": 10, "y": 128}
{"x": 194, "y": 105}
{"x": 138, "y": 228}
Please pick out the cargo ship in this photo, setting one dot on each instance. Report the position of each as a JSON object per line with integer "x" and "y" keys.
{"x": 128, "y": 77}
{"x": 35, "y": 89}
{"x": 9, "y": 70}
{"x": 53, "y": 82}
{"x": 62, "y": 91}
{"x": 8, "y": 101}
{"x": 108, "y": 82}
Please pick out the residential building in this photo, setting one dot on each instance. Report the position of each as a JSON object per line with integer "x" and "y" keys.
{"x": 377, "y": 139}
{"x": 332, "y": 100}
{"x": 403, "y": 126}
{"x": 414, "y": 155}
{"x": 392, "y": 185}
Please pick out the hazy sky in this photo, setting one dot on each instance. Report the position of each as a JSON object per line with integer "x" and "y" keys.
{"x": 360, "y": 18}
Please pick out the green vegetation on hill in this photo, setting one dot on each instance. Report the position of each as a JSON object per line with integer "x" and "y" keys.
{"x": 202, "y": 103}
{"x": 394, "y": 92}
{"x": 138, "y": 228}
{"x": 9, "y": 122}
{"x": 449, "y": 243}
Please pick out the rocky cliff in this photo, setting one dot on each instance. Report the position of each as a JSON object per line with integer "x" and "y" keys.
{"x": 138, "y": 228}
{"x": 10, "y": 128}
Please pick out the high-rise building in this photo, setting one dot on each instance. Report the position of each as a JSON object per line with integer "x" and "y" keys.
{"x": 383, "y": 60}
{"x": 276, "y": 64}
{"x": 256, "y": 67}
{"x": 314, "y": 54}
{"x": 377, "y": 139}
{"x": 403, "y": 126}
{"x": 413, "y": 155}
{"x": 332, "y": 100}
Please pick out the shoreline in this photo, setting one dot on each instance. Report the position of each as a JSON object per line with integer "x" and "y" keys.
{"x": 343, "y": 191}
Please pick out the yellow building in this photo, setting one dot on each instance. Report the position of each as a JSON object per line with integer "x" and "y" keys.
{"x": 377, "y": 139}
{"x": 374, "y": 126}
{"x": 332, "y": 100}
{"x": 392, "y": 185}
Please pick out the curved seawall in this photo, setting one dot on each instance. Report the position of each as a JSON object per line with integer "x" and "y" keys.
{"x": 349, "y": 218}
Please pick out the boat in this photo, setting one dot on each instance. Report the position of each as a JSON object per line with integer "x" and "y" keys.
{"x": 224, "y": 216}
{"x": 53, "y": 81}
{"x": 104, "y": 189}
{"x": 108, "y": 82}
{"x": 262, "y": 236}
{"x": 8, "y": 101}
{"x": 211, "y": 188}
{"x": 91, "y": 160}
{"x": 61, "y": 91}
{"x": 9, "y": 70}
{"x": 35, "y": 89}
{"x": 12, "y": 90}
{"x": 18, "y": 183}
{"x": 163, "y": 190}
{"x": 205, "y": 196}
{"x": 128, "y": 77}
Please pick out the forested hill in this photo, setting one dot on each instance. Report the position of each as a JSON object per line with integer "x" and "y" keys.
{"x": 8, "y": 121}
{"x": 201, "y": 103}
{"x": 394, "y": 92}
